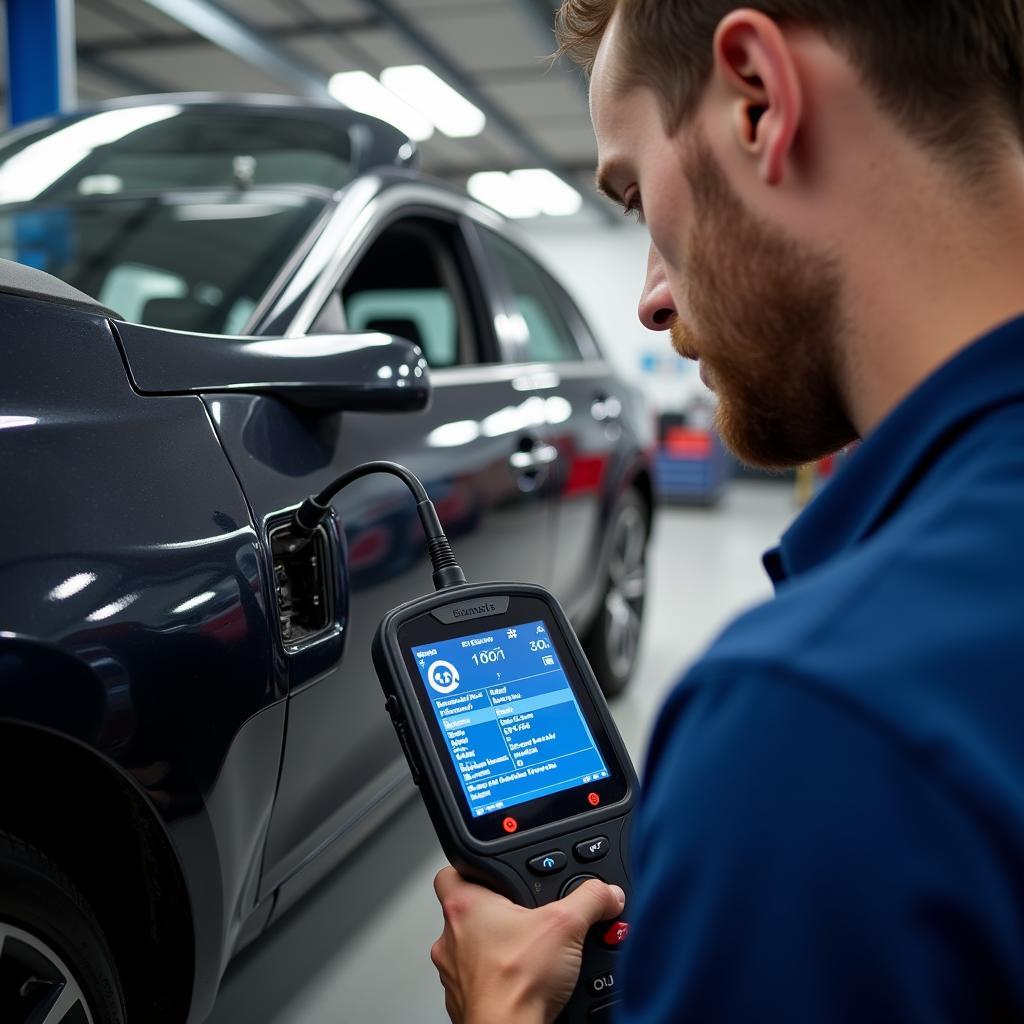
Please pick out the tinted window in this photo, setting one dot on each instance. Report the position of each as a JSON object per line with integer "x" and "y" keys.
{"x": 409, "y": 284}
{"x": 199, "y": 264}
{"x": 550, "y": 340}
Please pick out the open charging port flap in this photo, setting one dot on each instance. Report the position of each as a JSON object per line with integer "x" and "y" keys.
{"x": 301, "y": 584}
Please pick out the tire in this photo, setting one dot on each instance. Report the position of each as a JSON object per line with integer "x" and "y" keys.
{"x": 55, "y": 964}
{"x": 612, "y": 643}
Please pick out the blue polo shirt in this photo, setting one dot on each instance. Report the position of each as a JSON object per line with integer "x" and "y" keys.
{"x": 832, "y": 828}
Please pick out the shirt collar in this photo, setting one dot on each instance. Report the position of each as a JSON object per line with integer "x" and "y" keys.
{"x": 894, "y": 457}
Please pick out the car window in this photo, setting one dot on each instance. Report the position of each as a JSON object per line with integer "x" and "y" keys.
{"x": 550, "y": 339}
{"x": 129, "y": 287}
{"x": 409, "y": 284}
{"x": 182, "y": 261}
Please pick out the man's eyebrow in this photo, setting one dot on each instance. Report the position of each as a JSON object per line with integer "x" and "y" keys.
{"x": 605, "y": 187}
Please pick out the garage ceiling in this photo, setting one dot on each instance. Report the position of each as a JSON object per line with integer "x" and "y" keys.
{"x": 496, "y": 49}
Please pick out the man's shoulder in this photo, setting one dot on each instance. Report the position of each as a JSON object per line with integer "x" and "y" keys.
{"x": 940, "y": 575}
{"x": 915, "y": 632}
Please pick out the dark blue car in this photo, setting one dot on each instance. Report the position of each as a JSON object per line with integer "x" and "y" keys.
{"x": 191, "y": 732}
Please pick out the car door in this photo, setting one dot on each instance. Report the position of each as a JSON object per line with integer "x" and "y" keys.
{"x": 584, "y": 413}
{"x": 415, "y": 277}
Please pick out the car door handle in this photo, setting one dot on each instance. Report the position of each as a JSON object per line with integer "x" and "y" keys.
{"x": 537, "y": 457}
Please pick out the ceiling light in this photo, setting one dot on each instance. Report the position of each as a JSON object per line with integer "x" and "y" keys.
{"x": 500, "y": 192}
{"x": 548, "y": 191}
{"x": 71, "y": 586}
{"x": 194, "y": 602}
{"x": 435, "y": 99}
{"x": 113, "y": 608}
{"x": 361, "y": 91}
{"x": 225, "y": 211}
{"x": 525, "y": 193}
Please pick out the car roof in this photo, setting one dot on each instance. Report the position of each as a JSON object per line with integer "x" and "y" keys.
{"x": 375, "y": 143}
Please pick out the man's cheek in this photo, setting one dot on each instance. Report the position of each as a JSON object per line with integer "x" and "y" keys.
{"x": 668, "y": 246}
{"x": 679, "y": 288}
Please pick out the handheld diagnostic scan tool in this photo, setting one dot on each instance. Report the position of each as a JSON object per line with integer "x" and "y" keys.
{"x": 517, "y": 758}
{"x": 510, "y": 741}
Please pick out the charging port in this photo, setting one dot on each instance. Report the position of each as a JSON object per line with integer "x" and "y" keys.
{"x": 301, "y": 584}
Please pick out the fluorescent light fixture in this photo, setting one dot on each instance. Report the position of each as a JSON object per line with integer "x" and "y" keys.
{"x": 71, "y": 586}
{"x": 499, "y": 191}
{"x": 530, "y": 413}
{"x": 450, "y": 112}
{"x": 549, "y": 192}
{"x": 100, "y": 185}
{"x": 111, "y": 609}
{"x": 318, "y": 346}
{"x": 44, "y": 162}
{"x": 452, "y": 435}
{"x": 558, "y": 409}
{"x": 361, "y": 91}
{"x": 525, "y": 193}
{"x": 193, "y": 602}
{"x": 225, "y": 211}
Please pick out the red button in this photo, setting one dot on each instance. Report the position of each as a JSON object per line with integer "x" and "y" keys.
{"x": 593, "y": 799}
{"x": 510, "y": 824}
{"x": 617, "y": 934}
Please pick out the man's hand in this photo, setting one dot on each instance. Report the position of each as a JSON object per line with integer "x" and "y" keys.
{"x": 503, "y": 964}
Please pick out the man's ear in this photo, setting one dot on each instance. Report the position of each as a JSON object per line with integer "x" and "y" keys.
{"x": 754, "y": 62}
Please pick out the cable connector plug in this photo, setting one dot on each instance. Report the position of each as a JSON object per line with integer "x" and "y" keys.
{"x": 312, "y": 512}
{"x": 308, "y": 516}
{"x": 447, "y": 571}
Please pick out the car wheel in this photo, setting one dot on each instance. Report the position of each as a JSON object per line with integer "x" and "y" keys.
{"x": 55, "y": 964}
{"x": 613, "y": 642}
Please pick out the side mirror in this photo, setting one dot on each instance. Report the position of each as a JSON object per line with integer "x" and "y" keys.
{"x": 367, "y": 372}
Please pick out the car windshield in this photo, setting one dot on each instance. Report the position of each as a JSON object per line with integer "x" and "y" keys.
{"x": 162, "y": 146}
{"x": 188, "y": 261}
{"x": 173, "y": 215}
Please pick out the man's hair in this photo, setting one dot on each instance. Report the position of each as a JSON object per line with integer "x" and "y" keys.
{"x": 951, "y": 72}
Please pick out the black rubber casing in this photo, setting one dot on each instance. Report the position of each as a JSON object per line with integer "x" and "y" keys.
{"x": 501, "y": 864}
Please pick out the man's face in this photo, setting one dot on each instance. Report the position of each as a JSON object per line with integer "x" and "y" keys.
{"x": 760, "y": 309}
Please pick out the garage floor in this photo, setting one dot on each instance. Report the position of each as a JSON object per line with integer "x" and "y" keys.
{"x": 356, "y": 950}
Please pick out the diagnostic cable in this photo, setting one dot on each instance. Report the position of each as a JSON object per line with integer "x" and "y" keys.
{"x": 508, "y": 737}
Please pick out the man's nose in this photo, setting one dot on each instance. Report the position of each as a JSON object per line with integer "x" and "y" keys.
{"x": 657, "y": 311}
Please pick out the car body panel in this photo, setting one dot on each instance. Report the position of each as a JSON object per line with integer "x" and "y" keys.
{"x": 340, "y": 742}
{"x": 159, "y": 555}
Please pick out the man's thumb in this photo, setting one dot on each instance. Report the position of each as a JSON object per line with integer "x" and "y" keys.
{"x": 595, "y": 901}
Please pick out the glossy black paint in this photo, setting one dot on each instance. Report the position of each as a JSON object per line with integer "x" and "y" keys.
{"x": 133, "y": 597}
{"x": 374, "y": 372}
{"x": 143, "y": 469}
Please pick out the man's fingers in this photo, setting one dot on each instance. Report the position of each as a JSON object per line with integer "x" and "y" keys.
{"x": 446, "y": 881}
{"x": 594, "y": 901}
{"x": 455, "y": 894}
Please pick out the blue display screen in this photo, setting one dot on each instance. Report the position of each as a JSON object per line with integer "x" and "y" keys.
{"x": 510, "y": 720}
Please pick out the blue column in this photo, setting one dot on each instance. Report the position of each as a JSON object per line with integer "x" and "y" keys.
{"x": 40, "y": 58}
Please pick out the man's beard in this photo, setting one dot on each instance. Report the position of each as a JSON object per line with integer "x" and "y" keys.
{"x": 766, "y": 325}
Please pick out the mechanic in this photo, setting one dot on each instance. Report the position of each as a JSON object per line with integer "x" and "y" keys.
{"x": 832, "y": 827}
